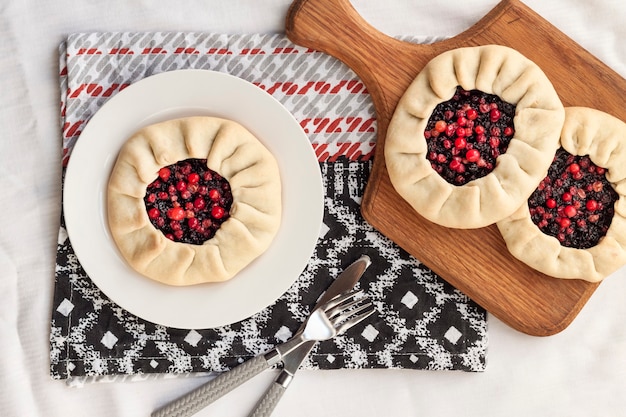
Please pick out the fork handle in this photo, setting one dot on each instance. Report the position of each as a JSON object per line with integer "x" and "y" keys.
{"x": 205, "y": 394}
{"x": 266, "y": 405}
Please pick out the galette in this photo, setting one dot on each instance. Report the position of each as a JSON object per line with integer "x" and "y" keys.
{"x": 193, "y": 200}
{"x": 473, "y": 135}
{"x": 574, "y": 225}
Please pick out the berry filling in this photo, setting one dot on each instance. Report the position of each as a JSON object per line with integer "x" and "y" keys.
{"x": 574, "y": 202}
{"x": 467, "y": 133}
{"x": 188, "y": 202}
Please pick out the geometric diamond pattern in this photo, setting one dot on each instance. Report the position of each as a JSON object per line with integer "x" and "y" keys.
{"x": 453, "y": 335}
{"x": 65, "y": 307}
{"x": 283, "y": 334}
{"x": 193, "y": 337}
{"x": 409, "y": 299}
{"x": 109, "y": 340}
{"x": 369, "y": 333}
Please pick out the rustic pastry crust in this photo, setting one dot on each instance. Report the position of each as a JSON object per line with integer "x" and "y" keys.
{"x": 231, "y": 151}
{"x": 601, "y": 136}
{"x": 538, "y": 120}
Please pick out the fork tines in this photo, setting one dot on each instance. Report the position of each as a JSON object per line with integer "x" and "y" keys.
{"x": 348, "y": 309}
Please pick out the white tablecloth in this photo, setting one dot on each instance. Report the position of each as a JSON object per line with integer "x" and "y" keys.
{"x": 578, "y": 372}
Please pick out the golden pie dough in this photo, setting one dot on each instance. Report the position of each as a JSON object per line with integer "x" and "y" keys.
{"x": 230, "y": 150}
{"x": 601, "y": 136}
{"x": 538, "y": 120}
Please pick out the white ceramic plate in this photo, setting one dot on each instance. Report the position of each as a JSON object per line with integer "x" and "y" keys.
{"x": 179, "y": 94}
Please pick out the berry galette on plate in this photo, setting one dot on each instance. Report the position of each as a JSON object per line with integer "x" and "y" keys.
{"x": 473, "y": 135}
{"x": 574, "y": 225}
{"x": 193, "y": 200}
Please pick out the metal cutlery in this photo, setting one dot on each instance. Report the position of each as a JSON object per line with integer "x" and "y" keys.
{"x": 337, "y": 310}
{"x": 344, "y": 282}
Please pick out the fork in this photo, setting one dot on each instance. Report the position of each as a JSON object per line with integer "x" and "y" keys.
{"x": 328, "y": 320}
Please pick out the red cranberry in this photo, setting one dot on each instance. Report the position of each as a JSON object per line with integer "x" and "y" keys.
{"x": 193, "y": 178}
{"x": 473, "y": 155}
{"x": 193, "y": 223}
{"x": 214, "y": 194}
{"x": 176, "y": 213}
{"x": 181, "y": 186}
{"x": 199, "y": 203}
{"x": 569, "y": 211}
{"x": 164, "y": 173}
{"x": 217, "y": 212}
{"x": 591, "y": 205}
{"x": 441, "y": 126}
{"x": 154, "y": 213}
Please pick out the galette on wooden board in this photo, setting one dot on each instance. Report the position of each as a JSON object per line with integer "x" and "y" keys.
{"x": 473, "y": 135}
{"x": 574, "y": 224}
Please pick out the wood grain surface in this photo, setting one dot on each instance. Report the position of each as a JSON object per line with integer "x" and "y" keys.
{"x": 474, "y": 261}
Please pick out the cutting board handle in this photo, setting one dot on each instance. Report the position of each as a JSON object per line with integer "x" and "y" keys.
{"x": 336, "y": 28}
{"x": 379, "y": 60}
{"x": 328, "y": 24}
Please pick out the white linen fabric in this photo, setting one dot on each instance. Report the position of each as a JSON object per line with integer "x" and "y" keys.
{"x": 578, "y": 372}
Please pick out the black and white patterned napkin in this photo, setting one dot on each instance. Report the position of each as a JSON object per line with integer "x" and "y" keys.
{"x": 421, "y": 321}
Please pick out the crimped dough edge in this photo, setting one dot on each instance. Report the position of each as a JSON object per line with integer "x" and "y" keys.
{"x": 539, "y": 117}
{"x": 233, "y": 152}
{"x": 590, "y": 132}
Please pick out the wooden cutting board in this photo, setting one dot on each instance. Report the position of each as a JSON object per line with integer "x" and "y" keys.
{"x": 474, "y": 261}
